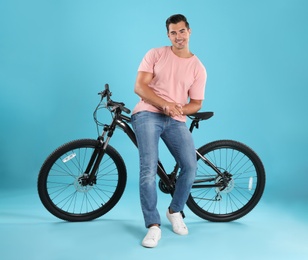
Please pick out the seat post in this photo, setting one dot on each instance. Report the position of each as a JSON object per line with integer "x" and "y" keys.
{"x": 194, "y": 123}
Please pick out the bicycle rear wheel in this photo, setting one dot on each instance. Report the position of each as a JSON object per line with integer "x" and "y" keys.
{"x": 239, "y": 188}
{"x": 60, "y": 184}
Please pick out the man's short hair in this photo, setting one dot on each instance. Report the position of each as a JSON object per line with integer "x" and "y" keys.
{"x": 176, "y": 18}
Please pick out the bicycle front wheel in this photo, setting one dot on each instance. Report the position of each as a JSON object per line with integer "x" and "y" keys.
{"x": 236, "y": 190}
{"x": 62, "y": 190}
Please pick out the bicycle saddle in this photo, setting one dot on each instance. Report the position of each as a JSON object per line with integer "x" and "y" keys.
{"x": 201, "y": 116}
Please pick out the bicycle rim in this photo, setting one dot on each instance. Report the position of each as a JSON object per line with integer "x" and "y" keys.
{"x": 60, "y": 187}
{"x": 244, "y": 189}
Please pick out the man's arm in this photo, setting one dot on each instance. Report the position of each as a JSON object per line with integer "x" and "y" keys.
{"x": 143, "y": 90}
{"x": 192, "y": 107}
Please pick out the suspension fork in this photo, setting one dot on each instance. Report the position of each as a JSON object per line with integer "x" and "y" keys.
{"x": 94, "y": 162}
{"x": 98, "y": 153}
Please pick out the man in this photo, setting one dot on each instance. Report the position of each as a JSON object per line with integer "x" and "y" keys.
{"x": 170, "y": 82}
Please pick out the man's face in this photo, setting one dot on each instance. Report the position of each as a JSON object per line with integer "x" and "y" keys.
{"x": 179, "y": 35}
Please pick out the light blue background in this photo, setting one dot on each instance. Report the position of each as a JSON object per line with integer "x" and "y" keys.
{"x": 56, "y": 55}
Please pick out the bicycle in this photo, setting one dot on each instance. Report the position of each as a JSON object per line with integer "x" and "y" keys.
{"x": 84, "y": 179}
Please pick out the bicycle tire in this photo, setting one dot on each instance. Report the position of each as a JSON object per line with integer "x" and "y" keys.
{"x": 242, "y": 193}
{"x": 61, "y": 192}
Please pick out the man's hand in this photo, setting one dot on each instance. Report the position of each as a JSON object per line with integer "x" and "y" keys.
{"x": 173, "y": 109}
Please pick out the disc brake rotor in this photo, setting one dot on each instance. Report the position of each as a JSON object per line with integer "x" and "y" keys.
{"x": 78, "y": 184}
{"x": 223, "y": 188}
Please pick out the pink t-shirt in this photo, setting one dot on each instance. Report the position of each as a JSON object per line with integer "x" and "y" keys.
{"x": 175, "y": 79}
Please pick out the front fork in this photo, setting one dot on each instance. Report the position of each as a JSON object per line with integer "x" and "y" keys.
{"x": 89, "y": 176}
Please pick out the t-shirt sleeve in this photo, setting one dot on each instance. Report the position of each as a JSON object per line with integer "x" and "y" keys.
{"x": 197, "y": 89}
{"x": 148, "y": 62}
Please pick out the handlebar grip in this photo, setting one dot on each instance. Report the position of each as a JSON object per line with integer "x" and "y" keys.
{"x": 126, "y": 110}
{"x": 106, "y": 92}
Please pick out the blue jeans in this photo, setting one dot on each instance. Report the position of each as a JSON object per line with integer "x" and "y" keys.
{"x": 149, "y": 127}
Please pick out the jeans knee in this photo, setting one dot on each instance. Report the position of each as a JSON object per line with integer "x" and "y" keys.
{"x": 190, "y": 165}
{"x": 147, "y": 179}
{"x": 189, "y": 170}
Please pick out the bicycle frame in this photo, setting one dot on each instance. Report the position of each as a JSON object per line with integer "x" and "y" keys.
{"x": 85, "y": 178}
{"x": 120, "y": 121}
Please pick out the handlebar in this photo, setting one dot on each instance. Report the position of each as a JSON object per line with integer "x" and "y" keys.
{"x": 105, "y": 93}
{"x": 110, "y": 103}
{"x": 113, "y": 105}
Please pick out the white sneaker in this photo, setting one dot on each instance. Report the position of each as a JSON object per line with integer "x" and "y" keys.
{"x": 152, "y": 237}
{"x": 177, "y": 222}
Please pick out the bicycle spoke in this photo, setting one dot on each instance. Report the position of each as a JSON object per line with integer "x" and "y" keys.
{"x": 68, "y": 194}
{"x": 235, "y": 186}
